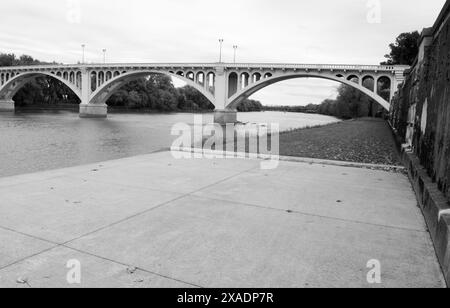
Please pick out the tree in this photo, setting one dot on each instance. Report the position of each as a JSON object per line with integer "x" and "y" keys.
{"x": 12, "y": 60}
{"x": 249, "y": 105}
{"x": 191, "y": 99}
{"x": 27, "y": 60}
{"x": 350, "y": 103}
{"x": 7, "y": 59}
{"x": 405, "y": 49}
{"x": 328, "y": 107}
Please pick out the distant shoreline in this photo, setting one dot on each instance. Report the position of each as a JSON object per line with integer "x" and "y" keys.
{"x": 74, "y": 107}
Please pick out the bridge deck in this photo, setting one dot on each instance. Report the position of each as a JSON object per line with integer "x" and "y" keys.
{"x": 338, "y": 67}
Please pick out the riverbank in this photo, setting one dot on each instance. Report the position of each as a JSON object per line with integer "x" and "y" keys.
{"x": 365, "y": 140}
{"x": 116, "y": 110}
{"x": 42, "y": 107}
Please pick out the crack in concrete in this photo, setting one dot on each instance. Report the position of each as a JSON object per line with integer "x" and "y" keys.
{"x": 312, "y": 215}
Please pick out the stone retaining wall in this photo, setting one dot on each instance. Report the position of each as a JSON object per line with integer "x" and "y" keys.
{"x": 423, "y": 103}
{"x": 434, "y": 207}
{"x": 420, "y": 117}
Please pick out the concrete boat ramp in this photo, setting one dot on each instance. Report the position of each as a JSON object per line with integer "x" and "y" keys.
{"x": 156, "y": 221}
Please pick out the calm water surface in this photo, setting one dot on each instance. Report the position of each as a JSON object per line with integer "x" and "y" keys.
{"x": 36, "y": 141}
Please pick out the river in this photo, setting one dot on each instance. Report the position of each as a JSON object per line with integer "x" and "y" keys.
{"x": 44, "y": 140}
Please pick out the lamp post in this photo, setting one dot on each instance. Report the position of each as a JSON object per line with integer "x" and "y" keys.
{"x": 235, "y": 47}
{"x": 83, "y": 46}
{"x": 104, "y": 56}
{"x": 220, "y": 55}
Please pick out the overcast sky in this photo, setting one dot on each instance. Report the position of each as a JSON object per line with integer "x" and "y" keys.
{"x": 287, "y": 31}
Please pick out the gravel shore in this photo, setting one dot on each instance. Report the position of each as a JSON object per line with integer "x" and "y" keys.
{"x": 365, "y": 140}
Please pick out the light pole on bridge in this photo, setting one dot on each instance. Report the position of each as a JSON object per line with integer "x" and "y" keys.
{"x": 83, "y": 46}
{"x": 235, "y": 47}
{"x": 104, "y": 56}
{"x": 220, "y": 54}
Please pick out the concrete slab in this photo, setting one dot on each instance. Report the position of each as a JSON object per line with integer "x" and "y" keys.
{"x": 49, "y": 270}
{"x": 221, "y": 244}
{"x": 164, "y": 158}
{"x": 15, "y": 247}
{"x": 172, "y": 175}
{"x": 360, "y": 195}
{"x": 64, "y": 208}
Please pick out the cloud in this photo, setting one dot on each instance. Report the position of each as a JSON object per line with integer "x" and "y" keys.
{"x": 292, "y": 31}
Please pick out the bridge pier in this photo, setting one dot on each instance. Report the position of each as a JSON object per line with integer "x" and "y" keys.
{"x": 93, "y": 111}
{"x": 6, "y": 105}
{"x": 225, "y": 116}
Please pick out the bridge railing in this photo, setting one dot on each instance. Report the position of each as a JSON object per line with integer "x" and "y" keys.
{"x": 321, "y": 66}
{"x": 174, "y": 66}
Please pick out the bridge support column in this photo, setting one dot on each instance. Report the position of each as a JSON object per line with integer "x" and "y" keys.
{"x": 6, "y": 105}
{"x": 225, "y": 116}
{"x": 87, "y": 108}
{"x": 93, "y": 111}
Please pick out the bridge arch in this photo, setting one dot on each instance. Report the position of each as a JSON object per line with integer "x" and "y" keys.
{"x": 210, "y": 80}
{"x": 190, "y": 75}
{"x": 368, "y": 81}
{"x": 107, "y": 89}
{"x": 237, "y": 98}
{"x": 13, "y": 85}
{"x": 353, "y": 78}
{"x": 256, "y": 77}
{"x": 200, "y": 78}
{"x": 233, "y": 83}
{"x": 383, "y": 86}
{"x": 244, "y": 80}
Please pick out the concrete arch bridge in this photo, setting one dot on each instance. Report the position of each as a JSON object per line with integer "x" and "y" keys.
{"x": 224, "y": 85}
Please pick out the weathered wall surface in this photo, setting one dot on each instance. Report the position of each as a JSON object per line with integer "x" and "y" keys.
{"x": 423, "y": 103}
